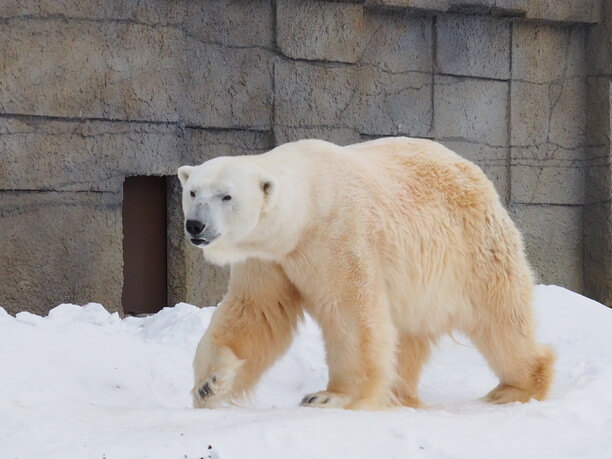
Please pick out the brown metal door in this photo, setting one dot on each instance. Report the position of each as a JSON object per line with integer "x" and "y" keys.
{"x": 144, "y": 245}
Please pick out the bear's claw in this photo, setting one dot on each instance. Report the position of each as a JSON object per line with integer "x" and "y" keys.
{"x": 310, "y": 399}
{"x": 325, "y": 399}
{"x": 205, "y": 390}
{"x": 206, "y": 393}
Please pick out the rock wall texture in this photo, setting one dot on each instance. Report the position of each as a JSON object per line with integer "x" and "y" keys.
{"x": 93, "y": 91}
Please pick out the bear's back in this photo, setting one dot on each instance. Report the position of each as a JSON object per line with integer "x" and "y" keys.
{"x": 429, "y": 169}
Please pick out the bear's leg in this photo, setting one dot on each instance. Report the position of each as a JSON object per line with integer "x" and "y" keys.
{"x": 360, "y": 350}
{"x": 524, "y": 368}
{"x": 412, "y": 353}
{"x": 252, "y": 327}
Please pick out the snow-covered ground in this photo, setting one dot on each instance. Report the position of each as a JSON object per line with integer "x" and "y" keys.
{"x": 82, "y": 383}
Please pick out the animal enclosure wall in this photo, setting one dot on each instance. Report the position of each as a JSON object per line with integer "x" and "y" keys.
{"x": 92, "y": 92}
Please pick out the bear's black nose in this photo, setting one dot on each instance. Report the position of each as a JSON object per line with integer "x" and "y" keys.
{"x": 194, "y": 227}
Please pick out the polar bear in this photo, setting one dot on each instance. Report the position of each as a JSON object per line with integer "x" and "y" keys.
{"x": 387, "y": 244}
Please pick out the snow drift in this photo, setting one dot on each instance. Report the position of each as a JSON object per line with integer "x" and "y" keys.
{"x": 83, "y": 383}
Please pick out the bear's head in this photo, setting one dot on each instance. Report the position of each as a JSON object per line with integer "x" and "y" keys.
{"x": 223, "y": 202}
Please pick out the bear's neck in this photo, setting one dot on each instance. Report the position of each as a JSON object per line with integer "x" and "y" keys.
{"x": 282, "y": 227}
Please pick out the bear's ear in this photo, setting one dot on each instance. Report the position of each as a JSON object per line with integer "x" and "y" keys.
{"x": 270, "y": 189}
{"x": 183, "y": 173}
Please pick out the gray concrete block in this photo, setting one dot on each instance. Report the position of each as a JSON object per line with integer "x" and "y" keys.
{"x": 548, "y": 137}
{"x": 547, "y": 173}
{"x": 553, "y": 241}
{"x": 553, "y": 112}
{"x": 473, "y": 46}
{"x": 41, "y": 154}
{"x": 568, "y": 113}
{"x": 369, "y": 99}
{"x": 190, "y": 277}
{"x": 530, "y": 106}
{"x": 547, "y": 182}
{"x": 492, "y": 160}
{"x": 124, "y": 70}
{"x": 312, "y": 95}
{"x": 111, "y": 70}
{"x": 318, "y": 30}
{"x": 230, "y": 22}
{"x": 471, "y": 109}
{"x": 543, "y": 53}
{"x": 228, "y": 87}
{"x": 398, "y": 42}
{"x": 58, "y": 248}
{"x": 393, "y": 103}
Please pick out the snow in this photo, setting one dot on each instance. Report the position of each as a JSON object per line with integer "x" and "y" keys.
{"x": 82, "y": 383}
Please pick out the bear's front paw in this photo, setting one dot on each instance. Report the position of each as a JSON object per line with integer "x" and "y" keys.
{"x": 325, "y": 399}
{"x": 215, "y": 377}
{"x": 214, "y": 390}
{"x": 204, "y": 393}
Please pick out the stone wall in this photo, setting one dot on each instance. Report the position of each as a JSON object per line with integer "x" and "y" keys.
{"x": 93, "y": 91}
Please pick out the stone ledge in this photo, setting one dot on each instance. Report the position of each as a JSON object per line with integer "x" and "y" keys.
{"x": 585, "y": 11}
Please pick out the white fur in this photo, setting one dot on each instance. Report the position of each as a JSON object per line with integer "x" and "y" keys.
{"x": 387, "y": 244}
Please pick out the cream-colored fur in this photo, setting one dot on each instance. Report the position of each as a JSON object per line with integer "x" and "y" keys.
{"x": 388, "y": 244}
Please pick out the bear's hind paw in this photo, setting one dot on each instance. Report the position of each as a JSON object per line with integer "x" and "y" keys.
{"x": 503, "y": 394}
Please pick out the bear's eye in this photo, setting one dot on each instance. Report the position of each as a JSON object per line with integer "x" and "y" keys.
{"x": 227, "y": 197}
{"x": 192, "y": 193}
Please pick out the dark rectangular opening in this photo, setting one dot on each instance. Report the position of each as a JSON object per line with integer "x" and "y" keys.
{"x": 144, "y": 245}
